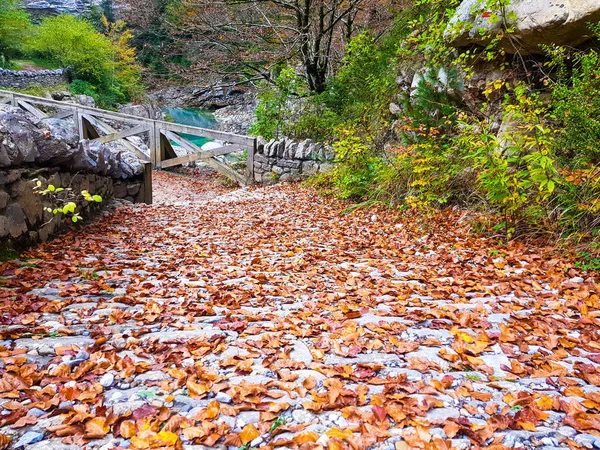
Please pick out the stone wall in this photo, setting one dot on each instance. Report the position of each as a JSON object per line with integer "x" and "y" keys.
{"x": 23, "y": 220}
{"x": 50, "y": 150}
{"x": 22, "y": 79}
{"x": 285, "y": 159}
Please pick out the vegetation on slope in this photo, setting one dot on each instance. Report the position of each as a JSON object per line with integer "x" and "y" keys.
{"x": 101, "y": 63}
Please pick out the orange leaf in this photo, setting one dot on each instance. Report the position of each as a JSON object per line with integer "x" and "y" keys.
{"x": 249, "y": 433}
{"x": 308, "y": 436}
{"x": 127, "y": 429}
{"x": 96, "y": 428}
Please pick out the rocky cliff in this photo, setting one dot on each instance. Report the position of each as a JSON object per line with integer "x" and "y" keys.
{"x": 55, "y": 7}
{"x": 534, "y": 22}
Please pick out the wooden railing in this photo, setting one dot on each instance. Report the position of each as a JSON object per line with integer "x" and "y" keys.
{"x": 91, "y": 124}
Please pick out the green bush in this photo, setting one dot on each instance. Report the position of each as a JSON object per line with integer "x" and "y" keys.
{"x": 14, "y": 25}
{"x": 104, "y": 61}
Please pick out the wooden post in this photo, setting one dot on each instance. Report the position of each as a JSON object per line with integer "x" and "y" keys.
{"x": 157, "y": 145}
{"x": 13, "y": 100}
{"x": 250, "y": 163}
{"x": 152, "y": 142}
{"x": 148, "y": 183}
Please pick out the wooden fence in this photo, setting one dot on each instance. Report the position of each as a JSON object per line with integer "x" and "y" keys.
{"x": 160, "y": 136}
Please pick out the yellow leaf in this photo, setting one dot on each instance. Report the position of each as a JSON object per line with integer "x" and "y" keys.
{"x": 167, "y": 438}
{"x": 340, "y": 434}
{"x": 249, "y": 433}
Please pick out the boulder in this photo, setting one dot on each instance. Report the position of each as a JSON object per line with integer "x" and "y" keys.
{"x": 561, "y": 22}
{"x": 149, "y": 111}
{"x": 15, "y": 217}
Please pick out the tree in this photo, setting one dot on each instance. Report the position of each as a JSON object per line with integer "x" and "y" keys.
{"x": 14, "y": 24}
{"x": 105, "y": 61}
{"x": 253, "y": 36}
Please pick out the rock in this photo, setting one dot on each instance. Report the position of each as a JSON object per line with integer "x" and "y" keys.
{"x": 302, "y": 416}
{"x": 586, "y": 440}
{"x": 153, "y": 375}
{"x": 36, "y": 412}
{"x": 107, "y": 379}
{"x": 52, "y": 444}
{"x": 246, "y": 417}
{"x": 301, "y": 353}
{"x": 561, "y": 23}
{"x": 222, "y": 397}
{"x": 15, "y": 218}
{"x": 147, "y": 110}
{"x": 442, "y": 414}
{"x": 31, "y": 437}
{"x": 46, "y": 346}
{"x": 3, "y": 199}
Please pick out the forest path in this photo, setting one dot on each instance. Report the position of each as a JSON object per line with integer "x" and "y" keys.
{"x": 267, "y": 317}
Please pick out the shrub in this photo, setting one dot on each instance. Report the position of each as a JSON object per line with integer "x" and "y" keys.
{"x": 106, "y": 62}
{"x": 14, "y": 25}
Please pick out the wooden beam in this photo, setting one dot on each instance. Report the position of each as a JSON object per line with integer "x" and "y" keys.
{"x": 122, "y": 134}
{"x": 226, "y": 170}
{"x": 190, "y": 146}
{"x": 63, "y": 114}
{"x": 32, "y": 109}
{"x": 202, "y": 132}
{"x": 106, "y": 128}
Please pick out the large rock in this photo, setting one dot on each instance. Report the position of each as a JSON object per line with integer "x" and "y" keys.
{"x": 53, "y": 142}
{"x": 561, "y": 22}
{"x": 148, "y": 110}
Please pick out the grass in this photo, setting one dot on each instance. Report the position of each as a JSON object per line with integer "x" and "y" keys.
{"x": 7, "y": 254}
{"x": 40, "y": 91}
{"x": 33, "y": 64}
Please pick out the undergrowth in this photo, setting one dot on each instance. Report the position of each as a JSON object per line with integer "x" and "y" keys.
{"x": 524, "y": 148}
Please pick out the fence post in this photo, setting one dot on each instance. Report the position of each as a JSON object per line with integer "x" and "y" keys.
{"x": 250, "y": 162}
{"x": 156, "y": 151}
{"x": 13, "y": 100}
{"x": 148, "y": 183}
{"x": 77, "y": 121}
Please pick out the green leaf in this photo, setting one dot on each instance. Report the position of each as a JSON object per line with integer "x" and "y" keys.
{"x": 97, "y": 198}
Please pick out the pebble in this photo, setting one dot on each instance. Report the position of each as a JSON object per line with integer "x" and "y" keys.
{"x": 587, "y": 440}
{"x": 107, "y": 379}
{"x": 222, "y": 397}
{"x": 567, "y": 431}
{"x": 83, "y": 355}
{"x": 31, "y": 437}
{"x": 36, "y": 412}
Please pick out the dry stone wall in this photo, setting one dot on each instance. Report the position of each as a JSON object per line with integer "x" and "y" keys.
{"x": 285, "y": 159}
{"x": 21, "y": 79}
{"x": 49, "y": 150}
{"x": 23, "y": 220}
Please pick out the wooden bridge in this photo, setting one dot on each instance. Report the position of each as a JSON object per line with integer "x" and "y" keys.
{"x": 160, "y": 136}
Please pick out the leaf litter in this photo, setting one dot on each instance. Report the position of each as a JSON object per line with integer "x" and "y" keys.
{"x": 266, "y": 318}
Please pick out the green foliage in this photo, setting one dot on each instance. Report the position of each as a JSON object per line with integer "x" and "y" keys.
{"x": 64, "y": 200}
{"x": 14, "y": 25}
{"x": 275, "y": 106}
{"x": 576, "y": 103}
{"x": 516, "y": 170}
{"x": 104, "y": 61}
